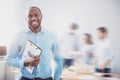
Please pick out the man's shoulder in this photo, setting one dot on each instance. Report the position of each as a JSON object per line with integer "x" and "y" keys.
{"x": 51, "y": 36}
{"x": 20, "y": 34}
{"x": 50, "y": 33}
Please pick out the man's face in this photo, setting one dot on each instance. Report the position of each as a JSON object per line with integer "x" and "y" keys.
{"x": 34, "y": 18}
{"x": 85, "y": 39}
{"x": 101, "y": 35}
{"x": 72, "y": 29}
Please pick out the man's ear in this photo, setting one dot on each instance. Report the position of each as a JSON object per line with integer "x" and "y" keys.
{"x": 41, "y": 16}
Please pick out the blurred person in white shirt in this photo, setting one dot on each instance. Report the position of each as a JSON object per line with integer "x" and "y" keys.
{"x": 87, "y": 50}
{"x": 104, "y": 52}
{"x": 70, "y": 45}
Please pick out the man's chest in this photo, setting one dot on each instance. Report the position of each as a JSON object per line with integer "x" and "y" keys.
{"x": 42, "y": 42}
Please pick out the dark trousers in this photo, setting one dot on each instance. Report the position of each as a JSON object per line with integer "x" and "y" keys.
{"x": 106, "y": 70}
{"x": 68, "y": 63}
{"x": 24, "y": 78}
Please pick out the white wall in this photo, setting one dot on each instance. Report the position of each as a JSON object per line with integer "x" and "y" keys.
{"x": 89, "y": 14}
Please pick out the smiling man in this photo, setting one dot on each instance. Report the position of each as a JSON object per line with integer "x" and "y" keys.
{"x": 43, "y": 39}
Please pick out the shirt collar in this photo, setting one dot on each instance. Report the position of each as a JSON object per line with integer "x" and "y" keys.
{"x": 28, "y": 30}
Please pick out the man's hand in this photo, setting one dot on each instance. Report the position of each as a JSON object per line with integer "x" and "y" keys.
{"x": 34, "y": 61}
{"x": 102, "y": 66}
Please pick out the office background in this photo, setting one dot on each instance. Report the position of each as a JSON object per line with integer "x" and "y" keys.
{"x": 57, "y": 14}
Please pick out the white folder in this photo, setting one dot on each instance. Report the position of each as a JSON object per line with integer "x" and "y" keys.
{"x": 30, "y": 50}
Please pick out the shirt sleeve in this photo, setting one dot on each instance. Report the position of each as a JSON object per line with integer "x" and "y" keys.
{"x": 12, "y": 54}
{"x": 58, "y": 59}
{"x": 109, "y": 53}
{"x": 77, "y": 43}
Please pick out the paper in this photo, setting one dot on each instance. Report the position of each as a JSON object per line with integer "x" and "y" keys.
{"x": 31, "y": 50}
{"x": 109, "y": 79}
{"x": 87, "y": 77}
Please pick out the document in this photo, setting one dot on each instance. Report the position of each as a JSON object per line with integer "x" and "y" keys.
{"x": 87, "y": 77}
{"x": 30, "y": 50}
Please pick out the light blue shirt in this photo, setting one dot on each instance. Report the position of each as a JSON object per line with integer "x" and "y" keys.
{"x": 49, "y": 45}
{"x": 103, "y": 52}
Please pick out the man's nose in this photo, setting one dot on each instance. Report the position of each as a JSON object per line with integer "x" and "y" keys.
{"x": 33, "y": 18}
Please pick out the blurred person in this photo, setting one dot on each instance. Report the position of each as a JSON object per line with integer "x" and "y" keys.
{"x": 103, "y": 51}
{"x": 70, "y": 45}
{"x": 87, "y": 49}
{"x": 43, "y": 39}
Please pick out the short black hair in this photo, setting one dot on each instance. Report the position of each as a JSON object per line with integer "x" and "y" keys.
{"x": 36, "y": 8}
{"x": 74, "y": 26}
{"x": 89, "y": 36}
{"x": 103, "y": 29}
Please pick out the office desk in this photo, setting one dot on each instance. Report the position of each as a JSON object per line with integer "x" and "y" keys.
{"x": 6, "y": 72}
{"x": 2, "y": 69}
{"x": 76, "y": 75}
{"x": 87, "y": 77}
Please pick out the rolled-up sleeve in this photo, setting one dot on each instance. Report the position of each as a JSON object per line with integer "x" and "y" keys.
{"x": 58, "y": 59}
{"x": 109, "y": 53}
{"x": 12, "y": 54}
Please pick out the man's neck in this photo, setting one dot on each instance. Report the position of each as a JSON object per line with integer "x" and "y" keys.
{"x": 36, "y": 30}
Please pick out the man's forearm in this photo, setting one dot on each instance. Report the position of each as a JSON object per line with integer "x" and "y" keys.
{"x": 107, "y": 61}
{"x": 59, "y": 68}
{"x": 15, "y": 62}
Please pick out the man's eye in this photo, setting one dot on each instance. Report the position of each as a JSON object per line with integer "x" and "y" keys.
{"x": 36, "y": 15}
{"x": 30, "y": 16}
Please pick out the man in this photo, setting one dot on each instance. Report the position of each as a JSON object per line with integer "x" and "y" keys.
{"x": 43, "y": 39}
{"x": 103, "y": 51}
{"x": 70, "y": 45}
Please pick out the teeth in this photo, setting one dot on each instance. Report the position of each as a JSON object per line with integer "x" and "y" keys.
{"x": 34, "y": 22}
